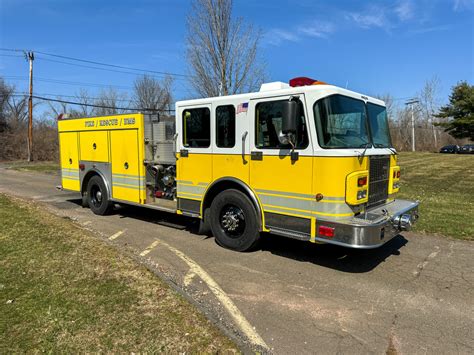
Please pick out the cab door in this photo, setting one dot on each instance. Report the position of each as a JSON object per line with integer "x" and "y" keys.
{"x": 283, "y": 181}
{"x": 194, "y": 165}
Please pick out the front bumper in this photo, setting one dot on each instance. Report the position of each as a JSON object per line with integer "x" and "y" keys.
{"x": 374, "y": 228}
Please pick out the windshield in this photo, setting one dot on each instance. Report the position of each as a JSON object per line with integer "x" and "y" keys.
{"x": 379, "y": 126}
{"x": 341, "y": 122}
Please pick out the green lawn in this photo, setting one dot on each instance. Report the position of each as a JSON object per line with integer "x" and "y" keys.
{"x": 46, "y": 167}
{"x": 62, "y": 290}
{"x": 444, "y": 185}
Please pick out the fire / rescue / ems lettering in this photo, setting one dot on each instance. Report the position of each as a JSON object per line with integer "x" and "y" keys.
{"x": 112, "y": 122}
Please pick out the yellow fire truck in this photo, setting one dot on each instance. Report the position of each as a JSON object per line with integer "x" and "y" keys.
{"x": 306, "y": 160}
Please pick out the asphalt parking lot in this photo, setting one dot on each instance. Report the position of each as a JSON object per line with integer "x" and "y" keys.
{"x": 413, "y": 295}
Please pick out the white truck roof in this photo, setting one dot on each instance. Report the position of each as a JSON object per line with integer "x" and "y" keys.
{"x": 279, "y": 88}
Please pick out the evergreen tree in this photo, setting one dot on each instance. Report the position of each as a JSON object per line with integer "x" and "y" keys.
{"x": 459, "y": 111}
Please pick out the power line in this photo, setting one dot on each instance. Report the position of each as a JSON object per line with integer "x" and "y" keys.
{"x": 74, "y": 96}
{"x": 67, "y": 82}
{"x": 99, "y": 63}
{"x": 93, "y": 105}
{"x": 112, "y": 65}
{"x": 160, "y": 76}
{"x": 12, "y": 55}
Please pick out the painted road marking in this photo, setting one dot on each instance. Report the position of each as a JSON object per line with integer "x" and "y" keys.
{"x": 423, "y": 264}
{"x": 189, "y": 278}
{"x": 150, "y": 248}
{"x": 235, "y": 313}
{"x": 116, "y": 235}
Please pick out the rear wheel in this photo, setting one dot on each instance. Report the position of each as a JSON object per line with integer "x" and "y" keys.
{"x": 97, "y": 197}
{"x": 234, "y": 221}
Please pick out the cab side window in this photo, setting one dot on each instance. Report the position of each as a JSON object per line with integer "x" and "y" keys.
{"x": 197, "y": 127}
{"x": 268, "y": 123}
{"x": 225, "y": 126}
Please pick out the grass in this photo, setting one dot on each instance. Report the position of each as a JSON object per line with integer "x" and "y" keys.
{"x": 62, "y": 290}
{"x": 46, "y": 167}
{"x": 444, "y": 185}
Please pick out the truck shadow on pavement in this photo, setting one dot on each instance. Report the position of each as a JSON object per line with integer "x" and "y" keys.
{"x": 325, "y": 255}
{"x": 333, "y": 256}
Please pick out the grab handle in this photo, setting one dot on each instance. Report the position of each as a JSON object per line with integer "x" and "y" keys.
{"x": 244, "y": 137}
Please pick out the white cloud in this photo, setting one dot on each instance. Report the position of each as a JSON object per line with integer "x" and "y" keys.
{"x": 405, "y": 10}
{"x": 276, "y": 36}
{"x": 374, "y": 16}
{"x": 430, "y": 29}
{"x": 320, "y": 29}
{"x": 459, "y": 5}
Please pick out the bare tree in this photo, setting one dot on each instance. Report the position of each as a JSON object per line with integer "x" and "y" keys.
{"x": 5, "y": 94}
{"x": 150, "y": 93}
{"x": 112, "y": 102}
{"x": 84, "y": 109}
{"x": 222, "y": 51}
{"x": 428, "y": 105}
{"x": 18, "y": 112}
{"x": 58, "y": 108}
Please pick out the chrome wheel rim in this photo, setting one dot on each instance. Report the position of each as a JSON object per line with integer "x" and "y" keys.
{"x": 232, "y": 221}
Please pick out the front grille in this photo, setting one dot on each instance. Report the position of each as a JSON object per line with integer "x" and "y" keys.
{"x": 379, "y": 167}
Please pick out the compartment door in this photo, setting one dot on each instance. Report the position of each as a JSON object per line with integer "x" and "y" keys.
{"x": 94, "y": 146}
{"x": 126, "y": 181}
{"x": 69, "y": 161}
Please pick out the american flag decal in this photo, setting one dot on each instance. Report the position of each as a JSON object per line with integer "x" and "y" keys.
{"x": 242, "y": 107}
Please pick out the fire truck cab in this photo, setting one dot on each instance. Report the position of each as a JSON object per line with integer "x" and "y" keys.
{"x": 307, "y": 160}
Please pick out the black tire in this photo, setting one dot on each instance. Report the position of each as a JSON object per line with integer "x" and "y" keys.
{"x": 234, "y": 221}
{"x": 97, "y": 197}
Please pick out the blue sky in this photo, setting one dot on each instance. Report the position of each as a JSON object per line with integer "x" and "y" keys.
{"x": 378, "y": 47}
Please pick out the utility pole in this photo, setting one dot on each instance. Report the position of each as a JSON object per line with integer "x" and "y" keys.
{"x": 30, "y": 56}
{"x": 411, "y": 102}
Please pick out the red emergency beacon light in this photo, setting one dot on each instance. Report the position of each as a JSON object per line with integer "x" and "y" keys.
{"x": 304, "y": 81}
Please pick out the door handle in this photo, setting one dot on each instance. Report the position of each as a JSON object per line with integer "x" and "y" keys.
{"x": 244, "y": 137}
{"x": 175, "y": 140}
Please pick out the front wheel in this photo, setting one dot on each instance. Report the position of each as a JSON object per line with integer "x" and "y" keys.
{"x": 234, "y": 221}
{"x": 97, "y": 197}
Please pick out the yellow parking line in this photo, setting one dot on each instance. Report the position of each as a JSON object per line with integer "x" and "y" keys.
{"x": 116, "y": 235}
{"x": 150, "y": 248}
{"x": 235, "y": 313}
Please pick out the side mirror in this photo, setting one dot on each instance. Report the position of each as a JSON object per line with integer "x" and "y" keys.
{"x": 290, "y": 117}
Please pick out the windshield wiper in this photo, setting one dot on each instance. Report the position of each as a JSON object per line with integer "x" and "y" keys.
{"x": 380, "y": 145}
{"x": 365, "y": 146}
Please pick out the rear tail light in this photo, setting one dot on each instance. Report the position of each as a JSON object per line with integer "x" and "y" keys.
{"x": 398, "y": 174}
{"x": 326, "y": 231}
{"x": 82, "y": 166}
{"x": 362, "y": 181}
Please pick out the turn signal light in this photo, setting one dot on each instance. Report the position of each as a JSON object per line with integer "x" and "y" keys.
{"x": 326, "y": 231}
{"x": 396, "y": 174}
{"x": 82, "y": 166}
{"x": 362, "y": 181}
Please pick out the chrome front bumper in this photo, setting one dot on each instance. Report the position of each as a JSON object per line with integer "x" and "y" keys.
{"x": 372, "y": 229}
